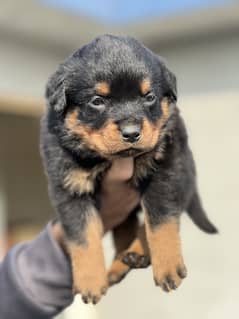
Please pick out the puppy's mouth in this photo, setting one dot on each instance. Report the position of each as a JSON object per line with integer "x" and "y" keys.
{"x": 131, "y": 152}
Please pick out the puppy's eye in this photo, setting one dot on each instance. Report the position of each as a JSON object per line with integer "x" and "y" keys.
{"x": 150, "y": 98}
{"x": 98, "y": 103}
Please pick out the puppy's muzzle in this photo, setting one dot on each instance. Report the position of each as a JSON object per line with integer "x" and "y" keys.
{"x": 131, "y": 133}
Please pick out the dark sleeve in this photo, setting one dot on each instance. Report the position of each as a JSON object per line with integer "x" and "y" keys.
{"x": 35, "y": 280}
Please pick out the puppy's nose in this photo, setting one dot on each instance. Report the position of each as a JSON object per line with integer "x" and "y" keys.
{"x": 131, "y": 133}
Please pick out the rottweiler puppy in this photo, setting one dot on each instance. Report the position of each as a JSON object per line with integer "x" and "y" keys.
{"x": 115, "y": 98}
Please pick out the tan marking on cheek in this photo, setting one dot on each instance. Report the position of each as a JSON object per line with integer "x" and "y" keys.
{"x": 150, "y": 134}
{"x": 88, "y": 265}
{"x": 72, "y": 123}
{"x": 106, "y": 140}
{"x": 145, "y": 86}
{"x": 165, "y": 108}
{"x": 165, "y": 250}
{"x": 79, "y": 181}
{"x": 150, "y": 131}
{"x": 102, "y": 88}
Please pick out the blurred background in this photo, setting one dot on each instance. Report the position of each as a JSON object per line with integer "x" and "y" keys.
{"x": 200, "y": 41}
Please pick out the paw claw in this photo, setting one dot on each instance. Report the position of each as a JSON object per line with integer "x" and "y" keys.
{"x": 104, "y": 290}
{"x": 182, "y": 272}
{"x": 91, "y": 298}
{"x": 156, "y": 282}
{"x": 169, "y": 280}
{"x": 171, "y": 283}
{"x": 85, "y": 299}
{"x": 90, "y": 291}
{"x": 95, "y": 299}
{"x": 165, "y": 287}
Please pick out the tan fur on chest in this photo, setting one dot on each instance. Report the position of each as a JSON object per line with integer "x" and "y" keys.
{"x": 79, "y": 181}
{"x": 82, "y": 181}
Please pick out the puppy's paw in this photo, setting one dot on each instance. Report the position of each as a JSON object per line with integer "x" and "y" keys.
{"x": 135, "y": 260}
{"x": 165, "y": 253}
{"x": 169, "y": 277}
{"x": 117, "y": 272}
{"x": 91, "y": 287}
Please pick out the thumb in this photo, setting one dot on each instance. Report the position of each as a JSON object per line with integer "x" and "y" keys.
{"x": 122, "y": 169}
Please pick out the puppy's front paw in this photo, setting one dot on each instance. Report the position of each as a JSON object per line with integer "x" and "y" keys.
{"x": 168, "y": 275}
{"x": 88, "y": 267}
{"x": 165, "y": 252}
{"x": 91, "y": 286}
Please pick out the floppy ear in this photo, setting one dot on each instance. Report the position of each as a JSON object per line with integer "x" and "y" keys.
{"x": 170, "y": 83}
{"x": 55, "y": 91}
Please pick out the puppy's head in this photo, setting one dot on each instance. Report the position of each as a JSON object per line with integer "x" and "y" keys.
{"x": 112, "y": 97}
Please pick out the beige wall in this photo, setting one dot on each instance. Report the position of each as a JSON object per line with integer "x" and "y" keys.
{"x": 24, "y": 183}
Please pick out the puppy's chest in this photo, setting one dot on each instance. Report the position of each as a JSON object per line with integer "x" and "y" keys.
{"x": 80, "y": 181}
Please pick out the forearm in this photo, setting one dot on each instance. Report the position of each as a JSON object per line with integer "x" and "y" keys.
{"x": 35, "y": 280}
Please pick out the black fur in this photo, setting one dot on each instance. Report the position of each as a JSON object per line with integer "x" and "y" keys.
{"x": 169, "y": 187}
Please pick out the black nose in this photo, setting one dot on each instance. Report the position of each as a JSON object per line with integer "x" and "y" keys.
{"x": 131, "y": 133}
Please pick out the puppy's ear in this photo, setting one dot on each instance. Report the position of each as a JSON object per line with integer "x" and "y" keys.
{"x": 55, "y": 92}
{"x": 170, "y": 83}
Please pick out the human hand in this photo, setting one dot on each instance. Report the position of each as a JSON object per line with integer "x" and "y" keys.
{"x": 118, "y": 198}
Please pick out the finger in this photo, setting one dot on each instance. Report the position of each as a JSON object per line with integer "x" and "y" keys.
{"x": 121, "y": 170}
{"x": 58, "y": 234}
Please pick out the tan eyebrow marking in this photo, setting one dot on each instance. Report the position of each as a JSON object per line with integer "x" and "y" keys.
{"x": 145, "y": 86}
{"x": 102, "y": 88}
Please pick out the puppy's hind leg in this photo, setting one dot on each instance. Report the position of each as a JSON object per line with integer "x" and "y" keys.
{"x": 132, "y": 249}
{"x": 137, "y": 255}
{"x": 123, "y": 235}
